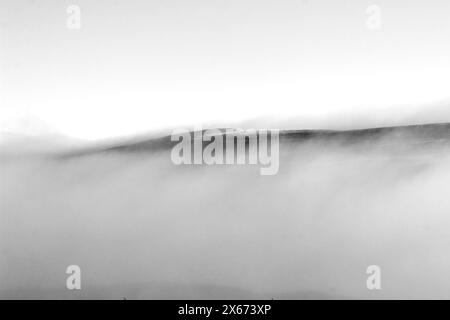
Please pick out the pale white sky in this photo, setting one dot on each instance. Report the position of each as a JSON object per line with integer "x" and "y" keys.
{"x": 138, "y": 66}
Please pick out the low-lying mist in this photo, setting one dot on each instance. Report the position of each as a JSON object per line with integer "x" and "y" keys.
{"x": 141, "y": 227}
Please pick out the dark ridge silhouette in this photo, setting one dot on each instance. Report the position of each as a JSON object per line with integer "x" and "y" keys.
{"x": 400, "y": 136}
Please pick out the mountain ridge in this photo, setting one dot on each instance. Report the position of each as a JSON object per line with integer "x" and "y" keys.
{"x": 397, "y": 135}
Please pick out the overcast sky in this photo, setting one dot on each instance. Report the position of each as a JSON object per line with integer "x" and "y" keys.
{"x": 139, "y": 65}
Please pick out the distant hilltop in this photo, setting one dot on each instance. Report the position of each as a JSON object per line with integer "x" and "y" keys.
{"x": 406, "y": 136}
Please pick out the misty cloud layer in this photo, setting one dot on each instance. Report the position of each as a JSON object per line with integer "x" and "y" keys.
{"x": 141, "y": 227}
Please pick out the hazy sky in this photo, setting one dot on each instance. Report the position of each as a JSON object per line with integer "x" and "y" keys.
{"x": 145, "y": 65}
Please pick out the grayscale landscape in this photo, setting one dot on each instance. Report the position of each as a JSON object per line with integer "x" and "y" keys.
{"x": 141, "y": 227}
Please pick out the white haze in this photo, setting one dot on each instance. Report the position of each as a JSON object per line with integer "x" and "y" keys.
{"x": 141, "y": 227}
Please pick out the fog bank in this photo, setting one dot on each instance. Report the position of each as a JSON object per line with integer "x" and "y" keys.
{"x": 141, "y": 227}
